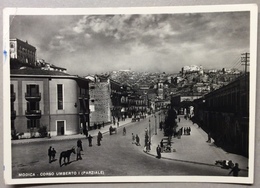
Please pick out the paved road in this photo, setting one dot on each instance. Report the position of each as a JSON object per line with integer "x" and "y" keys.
{"x": 116, "y": 156}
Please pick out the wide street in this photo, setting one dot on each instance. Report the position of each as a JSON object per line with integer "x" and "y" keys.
{"x": 116, "y": 156}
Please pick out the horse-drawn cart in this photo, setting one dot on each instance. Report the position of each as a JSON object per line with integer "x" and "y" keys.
{"x": 112, "y": 129}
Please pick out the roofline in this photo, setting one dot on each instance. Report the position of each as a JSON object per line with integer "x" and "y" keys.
{"x": 16, "y": 39}
{"x": 49, "y": 76}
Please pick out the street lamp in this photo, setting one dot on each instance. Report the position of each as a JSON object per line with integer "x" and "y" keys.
{"x": 149, "y": 128}
{"x": 155, "y": 125}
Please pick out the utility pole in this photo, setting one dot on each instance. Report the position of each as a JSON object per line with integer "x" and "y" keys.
{"x": 245, "y": 59}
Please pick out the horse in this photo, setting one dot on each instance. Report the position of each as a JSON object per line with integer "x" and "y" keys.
{"x": 66, "y": 154}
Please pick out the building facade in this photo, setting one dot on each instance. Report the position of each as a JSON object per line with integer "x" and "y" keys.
{"x": 57, "y": 101}
{"x": 225, "y": 113}
{"x": 100, "y": 101}
{"x": 22, "y": 52}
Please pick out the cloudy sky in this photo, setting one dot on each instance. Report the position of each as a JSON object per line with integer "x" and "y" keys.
{"x": 162, "y": 42}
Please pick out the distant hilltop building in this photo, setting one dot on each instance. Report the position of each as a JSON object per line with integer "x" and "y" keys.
{"x": 22, "y": 51}
{"x": 23, "y": 55}
{"x": 192, "y": 68}
{"x": 47, "y": 66}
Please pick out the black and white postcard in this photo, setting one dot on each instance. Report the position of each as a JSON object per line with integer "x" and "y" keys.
{"x": 152, "y": 94}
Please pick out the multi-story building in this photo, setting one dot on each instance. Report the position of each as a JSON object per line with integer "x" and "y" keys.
{"x": 100, "y": 101}
{"x": 52, "y": 99}
{"x": 225, "y": 113}
{"x": 22, "y": 53}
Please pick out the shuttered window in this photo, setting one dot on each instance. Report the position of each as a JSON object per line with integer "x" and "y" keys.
{"x": 60, "y": 96}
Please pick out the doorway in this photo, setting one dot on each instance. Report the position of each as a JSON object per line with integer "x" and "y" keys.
{"x": 60, "y": 128}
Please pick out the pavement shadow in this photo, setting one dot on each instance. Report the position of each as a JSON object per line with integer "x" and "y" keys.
{"x": 53, "y": 160}
{"x": 67, "y": 163}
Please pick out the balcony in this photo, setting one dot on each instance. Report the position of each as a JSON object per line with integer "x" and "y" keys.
{"x": 33, "y": 114}
{"x": 33, "y": 96}
{"x": 13, "y": 97}
{"x": 84, "y": 96}
{"x": 13, "y": 115}
{"x": 83, "y": 112}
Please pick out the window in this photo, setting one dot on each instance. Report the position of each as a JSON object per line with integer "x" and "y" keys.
{"x": 60, "y": 96}
{"x": 33, "y": 123}
{"x": 32, "y": 90}
{"x": 32, "y": 105}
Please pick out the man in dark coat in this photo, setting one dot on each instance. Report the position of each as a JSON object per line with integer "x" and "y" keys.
{"x": 235, "y": 170}
{"x": 158, "y": 150}
{"x": 137, "y": 140}
{"x": 99, "y": 138}
{"x": 50, "y": 153}
{"x": 79, "y": 144}
{"x": 90, "y": 140}
{"x": 53, "y": 153}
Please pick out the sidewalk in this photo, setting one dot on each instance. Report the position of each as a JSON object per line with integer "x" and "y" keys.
{"x": 104, "y": 130}
{"x": 194, "y": 148}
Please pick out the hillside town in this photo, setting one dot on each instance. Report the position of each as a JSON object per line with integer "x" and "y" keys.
{"x": 48, "y": 102}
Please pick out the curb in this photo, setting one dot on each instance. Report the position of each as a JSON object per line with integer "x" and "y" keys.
{"x": 185, "y": 161}
{"x": 27, "y": 141}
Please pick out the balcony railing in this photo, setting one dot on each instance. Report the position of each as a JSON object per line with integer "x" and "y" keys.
{"x": 33, "y": 113}
{"x": 13, "y": 96}
{"x": 33, "y": 96}
{"x": 84, "y": 96}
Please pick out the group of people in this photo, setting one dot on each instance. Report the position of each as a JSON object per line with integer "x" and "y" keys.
{"x": 136, "y": 139}
{"x": 52, "y": 151}
{"x": 147, "y": 142}
{"x": 187, "y": 131}
{"x": 51, "y": 154}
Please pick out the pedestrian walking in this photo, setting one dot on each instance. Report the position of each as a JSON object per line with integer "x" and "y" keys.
{"x": 49, "y": 154}
{"x": 149, "y": 146}
{"x": 158, "y": 150}
{"x": 53, "y": 153}
{"x": 90, "y": 140}
{"x": 99, "y": 138}
{"x": 185, "y": 131}
{"x": 235, "y": 170}
{"x": 146, "y": 139}
{"x": 133, "y": 138}
{"x": 79, "y": 144}
{"x": 79, "y": 153}
{"x": 179, "y": 119}
{"x": 124, "y": 131}
{"x": 100, "y": 135}
{"x": 137, "y": 140}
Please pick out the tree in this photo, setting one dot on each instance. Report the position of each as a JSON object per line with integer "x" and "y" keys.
{"x": 43, "y": 131}
{"x": 170, "y": 122}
